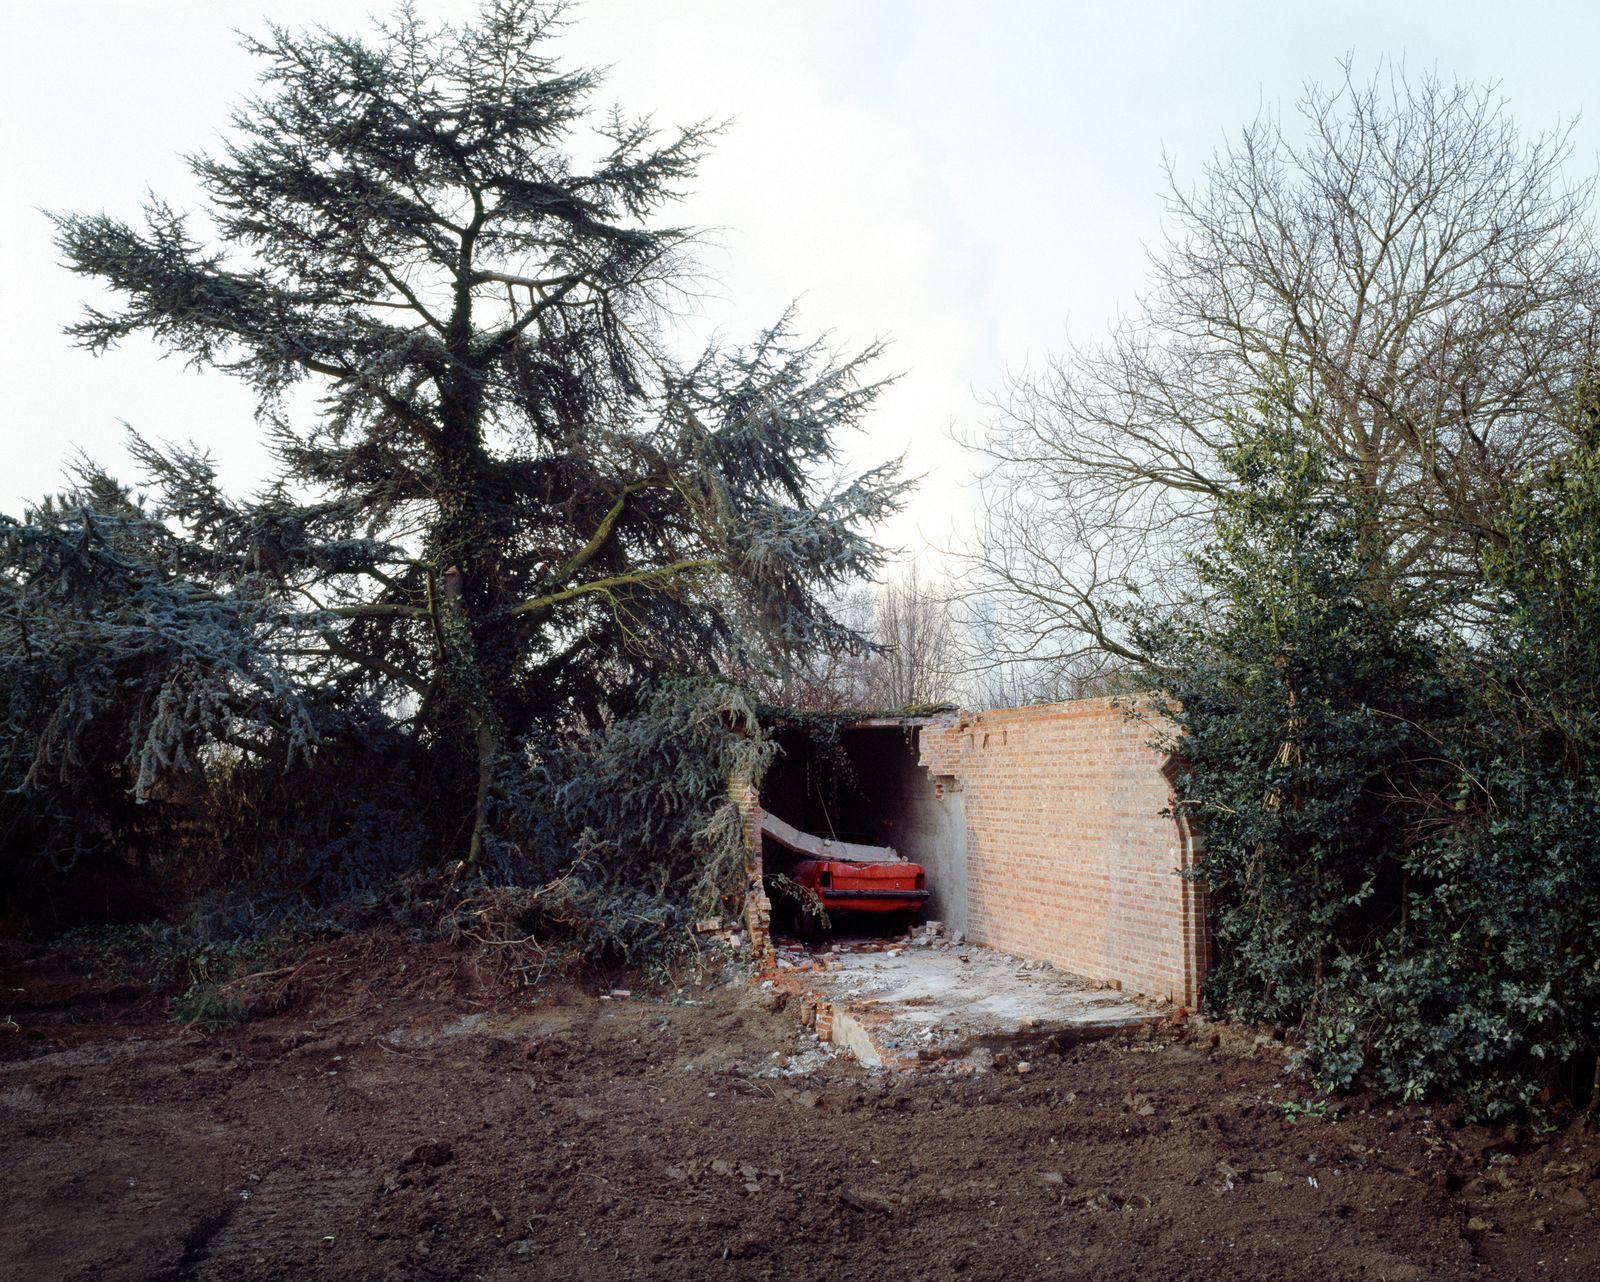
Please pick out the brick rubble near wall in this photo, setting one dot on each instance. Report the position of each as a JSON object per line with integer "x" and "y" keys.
{"x": 1069, "y": 858}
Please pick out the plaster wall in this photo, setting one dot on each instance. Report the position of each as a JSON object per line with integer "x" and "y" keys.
{"x": 917, "y": 814}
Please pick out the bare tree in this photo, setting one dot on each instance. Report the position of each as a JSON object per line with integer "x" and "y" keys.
{"x": 1001, "y": 670}
{"x": 915, "y": 658}
{"x": 1417, "y": 278}
{"x": 919, "y": 659}
{"x": 821, "y": 678}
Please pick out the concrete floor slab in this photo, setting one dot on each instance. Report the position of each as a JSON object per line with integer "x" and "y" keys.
{"x": 924, "y": 998}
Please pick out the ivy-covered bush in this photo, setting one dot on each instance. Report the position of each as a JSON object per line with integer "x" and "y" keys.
{"x": 1399, "y": 820}
{"x": 1302, "y": 690}
{"x": 1499, "y": 983}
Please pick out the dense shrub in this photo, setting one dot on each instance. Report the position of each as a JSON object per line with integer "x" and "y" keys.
{"x": 1301, "y": 689}
{"x": 126, "y": 679}
{"x": 1500, "y": 980}
{"x": 511, "y": 505}
{"x": 626, "y": 836}
{"x": 1399, "y": 825}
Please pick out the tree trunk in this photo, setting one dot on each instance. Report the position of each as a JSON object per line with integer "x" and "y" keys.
{"x": 488, "y": 749}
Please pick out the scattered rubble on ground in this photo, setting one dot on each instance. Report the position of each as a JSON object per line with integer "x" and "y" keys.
{"x": 813, "y": 1056}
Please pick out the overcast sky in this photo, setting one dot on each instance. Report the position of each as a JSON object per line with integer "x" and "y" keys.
{"x": 972, "y": 182}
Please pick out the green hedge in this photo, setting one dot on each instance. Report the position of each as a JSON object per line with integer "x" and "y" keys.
{"x": 1401, "y": 809}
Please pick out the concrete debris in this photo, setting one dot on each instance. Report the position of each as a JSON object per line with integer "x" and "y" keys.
{"x": 814, "y": 847}
{"x": 929, "y": 998}
{"x": 813, "y": 1059}
{"x": 899, "y": 1002}
{"x": 1232, "y": 1177}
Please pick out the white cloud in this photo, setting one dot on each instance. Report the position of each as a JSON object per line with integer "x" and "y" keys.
{"x": 965, "y": 181}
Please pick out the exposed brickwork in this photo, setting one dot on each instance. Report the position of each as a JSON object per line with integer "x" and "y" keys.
{"x": 1068, "y": 855}
{"x": 853, "y": 1026}
{"x": 757, "y": 907}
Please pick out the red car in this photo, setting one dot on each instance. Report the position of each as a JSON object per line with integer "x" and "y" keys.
{"x": 840, "y": 876}
{"x": 863, "y": 887}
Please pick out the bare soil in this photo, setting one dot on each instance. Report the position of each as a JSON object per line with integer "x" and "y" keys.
{"x": 403, "y": 1115}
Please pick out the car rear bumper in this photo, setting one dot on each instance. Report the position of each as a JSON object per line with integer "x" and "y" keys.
{"x": 874, "y": 900}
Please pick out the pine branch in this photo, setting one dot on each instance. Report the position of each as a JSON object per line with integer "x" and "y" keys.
{"x": 637, "y": 578}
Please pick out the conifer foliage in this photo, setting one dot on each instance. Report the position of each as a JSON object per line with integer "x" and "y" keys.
{"x": 503, "y": 502}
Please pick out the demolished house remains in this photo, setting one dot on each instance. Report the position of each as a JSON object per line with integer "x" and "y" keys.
{"x": 1044, "y": 833}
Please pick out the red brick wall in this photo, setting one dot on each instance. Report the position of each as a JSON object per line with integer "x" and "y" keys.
{"x": 1069, "y": 858}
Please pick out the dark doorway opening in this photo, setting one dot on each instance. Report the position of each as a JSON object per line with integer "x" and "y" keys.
{"x": 863, "y": 785}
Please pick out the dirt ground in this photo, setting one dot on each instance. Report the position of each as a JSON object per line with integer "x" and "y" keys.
{"x": 407, "y": 1117}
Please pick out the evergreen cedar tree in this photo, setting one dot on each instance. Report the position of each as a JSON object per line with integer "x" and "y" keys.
{"x": 502, "y": 503}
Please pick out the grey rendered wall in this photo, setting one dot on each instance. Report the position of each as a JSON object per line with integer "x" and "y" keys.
{"x": 922, "y": 817}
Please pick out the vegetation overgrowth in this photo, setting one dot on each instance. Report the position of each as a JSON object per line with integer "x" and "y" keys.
{"x": 475, "y": 633}
{"x": 1398, "y": 818}
{"x": 480, "y": 656}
